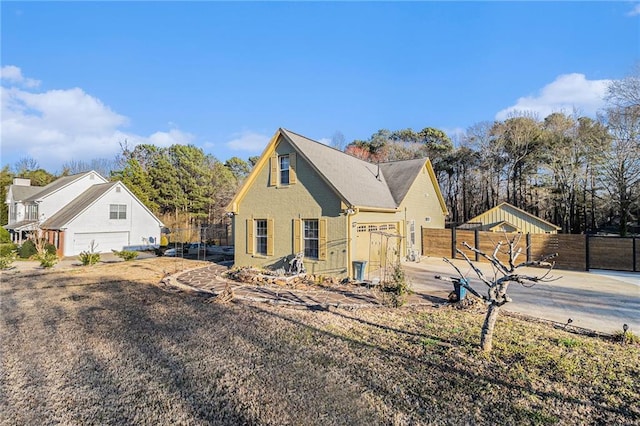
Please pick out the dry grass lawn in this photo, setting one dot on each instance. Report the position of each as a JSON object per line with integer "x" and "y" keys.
{"x": 105, "y": 345}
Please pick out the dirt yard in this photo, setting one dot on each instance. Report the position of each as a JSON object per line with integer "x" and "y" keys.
{"x": 107, "y": 345}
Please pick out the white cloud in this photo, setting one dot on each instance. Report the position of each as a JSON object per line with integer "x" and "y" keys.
{"x": 172, "y": 137}
{"x": 566, "y": 93}
{"x": 57, "y": 126}
{"x": 248, "y": 141}
{"x": 325, "y": 141}
{"x": 13, "y": 74}
{"x": 635, "y": 11}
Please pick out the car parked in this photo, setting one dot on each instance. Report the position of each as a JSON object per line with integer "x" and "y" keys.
{"x": 171, "y": 252}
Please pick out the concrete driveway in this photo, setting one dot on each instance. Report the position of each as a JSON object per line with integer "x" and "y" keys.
{"x": 597, "y": 300}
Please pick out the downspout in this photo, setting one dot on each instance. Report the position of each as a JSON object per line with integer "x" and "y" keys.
{"x": 350, "y": 212}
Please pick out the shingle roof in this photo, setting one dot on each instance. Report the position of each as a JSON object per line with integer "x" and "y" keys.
{"x": 23, "y": 225}
{"x": 359, "y": 182}
{"x": 75, "y": 207}
{"x": 55, "y": 185}
{"x": 21, "y": 192}
{"x": 400, "y": 175}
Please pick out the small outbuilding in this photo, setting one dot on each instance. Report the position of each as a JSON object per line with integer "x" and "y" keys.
{"x": 508, "y": 218}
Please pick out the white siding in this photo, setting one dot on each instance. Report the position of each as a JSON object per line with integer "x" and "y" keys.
{"x": 141, "y": 226}
{"x": 54, "y": 202}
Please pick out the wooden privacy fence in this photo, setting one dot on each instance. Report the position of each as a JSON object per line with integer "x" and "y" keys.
{"x": 575, "y": 252}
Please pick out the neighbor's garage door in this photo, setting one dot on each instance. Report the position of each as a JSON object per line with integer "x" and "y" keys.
{"x": 105, "y": 241}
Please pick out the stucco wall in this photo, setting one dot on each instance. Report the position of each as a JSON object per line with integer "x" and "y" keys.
{"x": 423, "y": 206}
{"x": 309, "y": 198}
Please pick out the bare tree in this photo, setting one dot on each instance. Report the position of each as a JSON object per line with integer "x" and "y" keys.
{"x": 621, "y": 166}
{"x": 337, "y": 140}
{"x": 620, "y": 170}
{"x": 626, "y": 92}
{"x": 103, "y": 166}
{"x": 25, "y": 164}
{"x": 497, "y": 286}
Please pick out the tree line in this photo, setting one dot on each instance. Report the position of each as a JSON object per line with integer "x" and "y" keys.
{"x": 580, "y": 173}
{"x": 181, "y": 184}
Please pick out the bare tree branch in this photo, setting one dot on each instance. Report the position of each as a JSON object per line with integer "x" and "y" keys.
{"x": 493, "y": 259}
{"x": 497, "y": 287}
{"x": 478, "y": 272}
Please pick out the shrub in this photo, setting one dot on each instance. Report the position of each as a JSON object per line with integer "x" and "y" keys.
{"x": 88, "y": 258}
{"x": 7, "y": 255}
{"x": 126, "y": 255}
{"x": 28, "y": 249}
{"x": 7, "y": 249}
{"x": 47, "y": 259}
{"x": 5, "y": 237}
{"x": 164, "y": 241}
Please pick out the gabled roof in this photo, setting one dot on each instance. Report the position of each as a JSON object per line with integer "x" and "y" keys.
{"x": 72, "y": 210}
{"x": 485, "y": 218}
{"x": 400, "y": 176}
{"x": 77, "y": 206}
{"x": 22, "y": 192}
{"x": 502, "y": 224}
{"x": 23, "y": 225}
{"x": 59, "y": 184}
{"x": 356, "y": 182}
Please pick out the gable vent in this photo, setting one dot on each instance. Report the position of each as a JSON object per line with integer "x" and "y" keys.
{"x": 427, "y": 219}
{"x": 92, "y": 176}
{"x": 117, "y": 189}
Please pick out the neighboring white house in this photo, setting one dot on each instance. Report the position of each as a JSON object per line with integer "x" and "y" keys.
{"x": 74, "y": 211}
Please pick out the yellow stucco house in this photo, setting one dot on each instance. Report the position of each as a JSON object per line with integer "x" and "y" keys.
{"x": 507, "y": 218}
{"x": 304, "y": 196}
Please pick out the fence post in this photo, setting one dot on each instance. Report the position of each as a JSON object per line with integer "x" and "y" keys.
{"x": 454, "y": 243}
{"x": 586, "y": 245}
{"x": 476, "y": 243}
{"x": 528, "y": 243}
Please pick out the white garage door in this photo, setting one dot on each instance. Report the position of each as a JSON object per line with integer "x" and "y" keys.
{"x": 104, "y": 241}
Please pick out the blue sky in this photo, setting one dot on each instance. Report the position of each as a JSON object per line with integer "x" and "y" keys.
{"x": 79, "y": 78}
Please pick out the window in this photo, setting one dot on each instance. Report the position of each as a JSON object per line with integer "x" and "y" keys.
{"x": 261, "y": 237}
{"x": 32, "y": 212}
{"x": 310, "y": 238}
{"x": 13, "y": 207}
{"x": 117, "y": 211}
{"x": 412, "y": 232}
{"x": 284, "y": 169}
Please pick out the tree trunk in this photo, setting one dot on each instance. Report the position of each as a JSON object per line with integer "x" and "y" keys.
{"x": 486, "y": 337}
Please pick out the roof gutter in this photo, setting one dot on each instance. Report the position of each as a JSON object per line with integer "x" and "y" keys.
{"x": 377, "y": 209}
